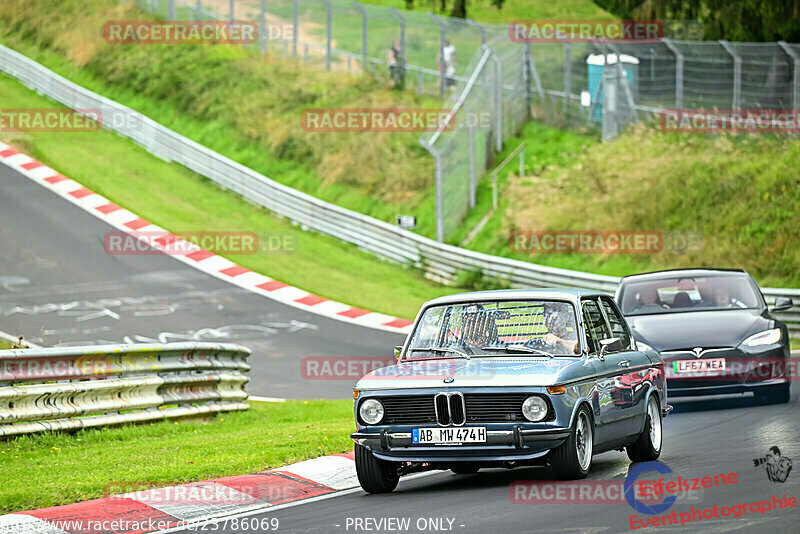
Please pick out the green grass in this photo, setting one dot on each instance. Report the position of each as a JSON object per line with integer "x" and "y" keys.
{"x": 57, "y": 468}
{"x": 171, "y": 196}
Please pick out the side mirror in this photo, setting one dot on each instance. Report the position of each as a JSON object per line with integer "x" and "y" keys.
{"x": 398, "y": 351}
{"x": 782, "y": 304}
{"x": 611, "y": 344}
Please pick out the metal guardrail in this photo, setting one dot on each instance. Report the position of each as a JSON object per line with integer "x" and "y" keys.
{"x": 440, "y": 262}
{"x": 67, "y": 388}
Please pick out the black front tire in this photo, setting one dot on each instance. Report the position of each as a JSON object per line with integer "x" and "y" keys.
{"x": 647, "y": 446}
{"x": 375, "y": 475}
{"x": 565, "y": 460}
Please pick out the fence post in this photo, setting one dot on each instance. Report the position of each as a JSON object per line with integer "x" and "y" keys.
{"x": 328, "y": 32}
{"x": 737, "y": 74}
{"x": 526, "y": 76}
{"x": 498, "y": 100}
{"x": 471, "y": 133}
{"x": 294, "y": 27}
{"x": 610, "y": 121}
{"x": 481, "y": 30}
{"x": 522, "y": 162}
{"x": 622, "y": 80}
{"x": 678, "y": 72}
{"x": 567, "y": 78}
{"x": 442, "y": 39}
{"x": 363, "y": 12}
{"x": 171, "y": 10}
{"x": 439, "y": 211}
{"x": 199, "y": 9}
{"x": 795, "y": 74}
{"x": 262, "y": 23}
{"x": 402, "y": 20}
{"x": 230, "y": 10}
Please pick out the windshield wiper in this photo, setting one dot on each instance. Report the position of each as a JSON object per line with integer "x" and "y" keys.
{"x": 519, "y": 348}
{"x": 441, "y": 349}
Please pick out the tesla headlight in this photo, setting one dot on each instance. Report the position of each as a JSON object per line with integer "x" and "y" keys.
{"x": 371, "y": 411}
{"x": 768, "y": 337}
{"x": 643, "y": 346}
{"x": 534, "y": 408}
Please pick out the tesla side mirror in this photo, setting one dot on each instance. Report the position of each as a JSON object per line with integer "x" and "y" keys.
{"x": 782, "y": 304}
{"x": 611, "y": 344}
{"x": 398, "y": 351}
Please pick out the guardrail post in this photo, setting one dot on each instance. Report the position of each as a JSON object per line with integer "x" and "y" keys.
{"x": 171, "y": 10}
{"x": 471, "y": 133}
{"x": 262, "y": 24}
{"x": 364, "y": 34}
{"x": 328, "y": 32}
{"x": 795, "y": 74}
{"x": 678, "y": 72}
{"x": 567, "y": 77}
{"x": 294, "y": 28}
{"x": 737, "y": 74}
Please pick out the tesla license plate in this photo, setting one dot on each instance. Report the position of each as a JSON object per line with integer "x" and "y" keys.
{"x": 449, "y": 436}
{"x": 698, "y": 366}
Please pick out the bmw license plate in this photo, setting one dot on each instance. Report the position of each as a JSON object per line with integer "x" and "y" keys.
{"x": 698, "y": 366}
{"x": 449, "y": 436}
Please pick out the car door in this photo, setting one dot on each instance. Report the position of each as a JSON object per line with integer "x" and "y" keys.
{"x": 636, "y": 363}
{"x": 614, "y": 394}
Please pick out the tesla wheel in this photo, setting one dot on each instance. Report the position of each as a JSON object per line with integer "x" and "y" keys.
{"x": 780, "y": 394}
{"x": 573, "y": 458}
{"x": 464, "y": 469}
{"x": 648, "y": 445}
{"x": 375, "y": 475}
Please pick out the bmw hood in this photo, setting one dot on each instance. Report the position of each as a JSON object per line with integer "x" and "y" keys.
{"x": 477, "y": 371}
{"x": 672, "y": 331}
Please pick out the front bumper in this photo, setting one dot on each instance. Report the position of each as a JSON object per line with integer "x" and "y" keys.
{"x": 518, "y": 443}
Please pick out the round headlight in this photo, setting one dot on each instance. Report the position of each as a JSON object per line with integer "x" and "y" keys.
{"x": 371, "y": 411}
{"x": 534, "y": 408}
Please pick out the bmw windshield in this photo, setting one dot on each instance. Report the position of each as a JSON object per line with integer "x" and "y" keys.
{"x": 524, "y": 328}
{"x": 685, "y": 294}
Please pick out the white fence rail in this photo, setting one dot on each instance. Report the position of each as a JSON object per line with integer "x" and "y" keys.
{"x": 67, "y": 388}
{"x": 440, "y": 262}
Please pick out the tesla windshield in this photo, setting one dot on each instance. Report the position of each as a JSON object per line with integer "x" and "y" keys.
{"x": 682, "y": 294}
{"x": 544, "y": 328}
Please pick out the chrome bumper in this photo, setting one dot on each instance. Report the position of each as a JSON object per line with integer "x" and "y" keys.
{"x": 516, "y": 437}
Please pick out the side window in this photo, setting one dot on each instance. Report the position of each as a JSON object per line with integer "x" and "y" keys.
{"x": 596, "y": 328}
{"x": 618, "y": 328}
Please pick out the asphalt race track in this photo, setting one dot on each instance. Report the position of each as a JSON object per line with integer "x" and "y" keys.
{"x": 701, "y": 438}
{"x": 59, "y": 287}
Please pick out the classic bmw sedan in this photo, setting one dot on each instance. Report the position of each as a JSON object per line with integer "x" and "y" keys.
{"x": 506, "y": 379}
{"x": 714, "y": 330}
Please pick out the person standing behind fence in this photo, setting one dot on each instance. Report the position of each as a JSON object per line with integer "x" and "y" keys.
{"x": 447, "y": 60}
{"x": 397, "y": 65}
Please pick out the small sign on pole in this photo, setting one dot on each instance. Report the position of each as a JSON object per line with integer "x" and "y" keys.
{"x": 407, "y": 222}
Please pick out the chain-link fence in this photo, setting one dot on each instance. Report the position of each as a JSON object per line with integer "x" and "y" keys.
{"x": 494, "y": 84}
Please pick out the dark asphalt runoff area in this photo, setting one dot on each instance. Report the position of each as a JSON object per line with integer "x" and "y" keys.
{"x": 59, "y": 287}
{"x": 701, "y": 438}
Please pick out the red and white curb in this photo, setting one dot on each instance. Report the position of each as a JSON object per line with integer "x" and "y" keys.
{"x": 163, "y": 508}
{"x": 194, "y": 256}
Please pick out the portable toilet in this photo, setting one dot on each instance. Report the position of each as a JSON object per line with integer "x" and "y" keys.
{"x": 595, "y": 64}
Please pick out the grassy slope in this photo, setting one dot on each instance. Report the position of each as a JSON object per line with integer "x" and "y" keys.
{"x": 739, "y": 192}
{"x": 53, "y": 469}
{"x": 484, "y": 11}
{"x": 173, "y": 197}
